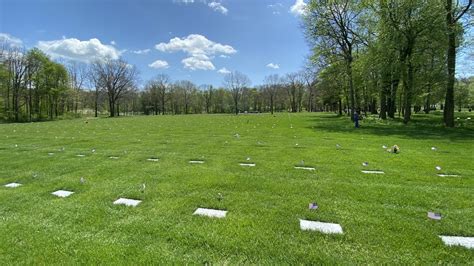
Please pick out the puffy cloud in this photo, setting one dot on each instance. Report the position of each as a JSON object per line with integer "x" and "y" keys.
{"x": 218, "y": 7}
{"x": 223, "y": 71}
{"x": 299, "y": 8}
{"x": 195, "y": 44}
{"x": 144, "y": 51}
{"x": 199, "y": 49}
{"x": 77, "y": 50}
{"x": 158, "y": 64}
{"x": 184, "y": 1}
{"x": 196, "y": 62}
{"x": 274, "y": 66}
{"x": 9, "y": 40}
{"x": 113, "y": 43}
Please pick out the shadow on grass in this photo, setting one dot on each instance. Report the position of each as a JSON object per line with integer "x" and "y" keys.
{"x": 421, "y": 127}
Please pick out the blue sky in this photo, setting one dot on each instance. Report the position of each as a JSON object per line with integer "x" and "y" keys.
{"x": 197, "y": 40}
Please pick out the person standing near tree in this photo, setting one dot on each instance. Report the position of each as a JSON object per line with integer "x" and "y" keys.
{"x": 356, "y": 119}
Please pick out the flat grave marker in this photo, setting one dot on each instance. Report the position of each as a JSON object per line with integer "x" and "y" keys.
{"x": 127, "y": 202}
{"x": 305, "y": 168}
{"x": 196, "y": 162}
{"x": 247, "y": 164}
{"x": 467, "y": 242}
{"x": 447, "y": 175}
{"x": 434, "y": 216}
{"x": 210, "y": 213}
{"x": 13, "y": 185}
{"x": 325, "y": 228}
{"x": 62, "y": 193}
{"x": 153, "y": 159}
{"x": 373, "y": 172}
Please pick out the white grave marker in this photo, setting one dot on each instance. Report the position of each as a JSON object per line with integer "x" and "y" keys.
{"x": 210, "y": 213}
{"x": 325, "y": 228}
{"x": 247, "y": 164}
{"x": 62, "y": 193}
{"x": 80, "y": 155}
{"x": 152, "y": 159}
{"x": 127, "y": 202}
{"x": 196, "y": 162}
{"x": 434, "y": 216}
{"x": 446, "y": 175}
{"x": 305, "y": 168}
{"x": 373, "y": 172}
{"x": 13, "y": 185}
{"x": 467, "y": 242}
{"x": 113, "y": 157}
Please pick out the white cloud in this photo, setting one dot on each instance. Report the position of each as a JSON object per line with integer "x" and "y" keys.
{"x": 159, "y": 64}
{"x": 9, "y": 40}
{"x": 196, "y": 62}
{"x": 276, "y": 5}
{"x": 223, "y": 71}
{"x": 218, "y": 7}
{"x": 144, "y": 51}
{"x": 184, "y": 1}
{"x": 77, "y": 50}
{"x": 113, "y": 43}
{"x": 195, "y": 44}
{"x": 199, "y": 49}
{"x": 276, "y": 8}
{"x": 223, "y": 56}
{"x": 299, "y": 8}
{"x": 274, "y": 66}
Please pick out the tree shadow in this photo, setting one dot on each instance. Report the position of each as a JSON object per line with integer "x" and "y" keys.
{"x": 421, "y": 127}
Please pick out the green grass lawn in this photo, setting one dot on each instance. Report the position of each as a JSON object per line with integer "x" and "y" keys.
{"x": 384, "y": 217}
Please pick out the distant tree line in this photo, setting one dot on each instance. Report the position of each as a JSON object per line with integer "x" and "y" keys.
{"x": 34, "y": 88}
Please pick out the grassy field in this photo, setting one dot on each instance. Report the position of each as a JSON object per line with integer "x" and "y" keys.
{"x": 384, "y": 217}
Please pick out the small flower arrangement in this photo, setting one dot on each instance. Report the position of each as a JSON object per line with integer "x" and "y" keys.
{"x": 395, "y": 149}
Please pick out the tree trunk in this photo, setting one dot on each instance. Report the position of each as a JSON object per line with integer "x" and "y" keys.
{"x": 271, "y": 104}
{"x": 408, "y": 88}
{"x": 448, "y": 112}
{"x": 383, "y": 103}
{"x": 428, "y": 100}
{"x": 351, "y": 89}
{"x": 340, "y": 105}
{"x": 96, "y": 101}
{"x": 111, "y": 107}
{"x": 236, "y": 107}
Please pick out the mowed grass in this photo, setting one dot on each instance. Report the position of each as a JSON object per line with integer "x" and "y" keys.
{"x": 384, "y": 217}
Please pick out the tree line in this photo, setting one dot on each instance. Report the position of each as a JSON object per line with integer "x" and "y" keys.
{"x": 34, "y": 88}
{"x": 391, "y": 58}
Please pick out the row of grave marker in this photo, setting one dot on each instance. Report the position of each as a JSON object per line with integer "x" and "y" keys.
{"x": 305, "y": 225}
{"x": 296, "y": 167}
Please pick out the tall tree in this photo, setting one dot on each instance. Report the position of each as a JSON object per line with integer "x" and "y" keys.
{"x": 409, "y": 21}
{"x": 116, "y": 77}
{"x": 332, "y": 26}
{"x": 453, "y": 14}
{"x": 236, "y": 82}
{"x": 77, "y": 77}
{"x": 270, "y": 89}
